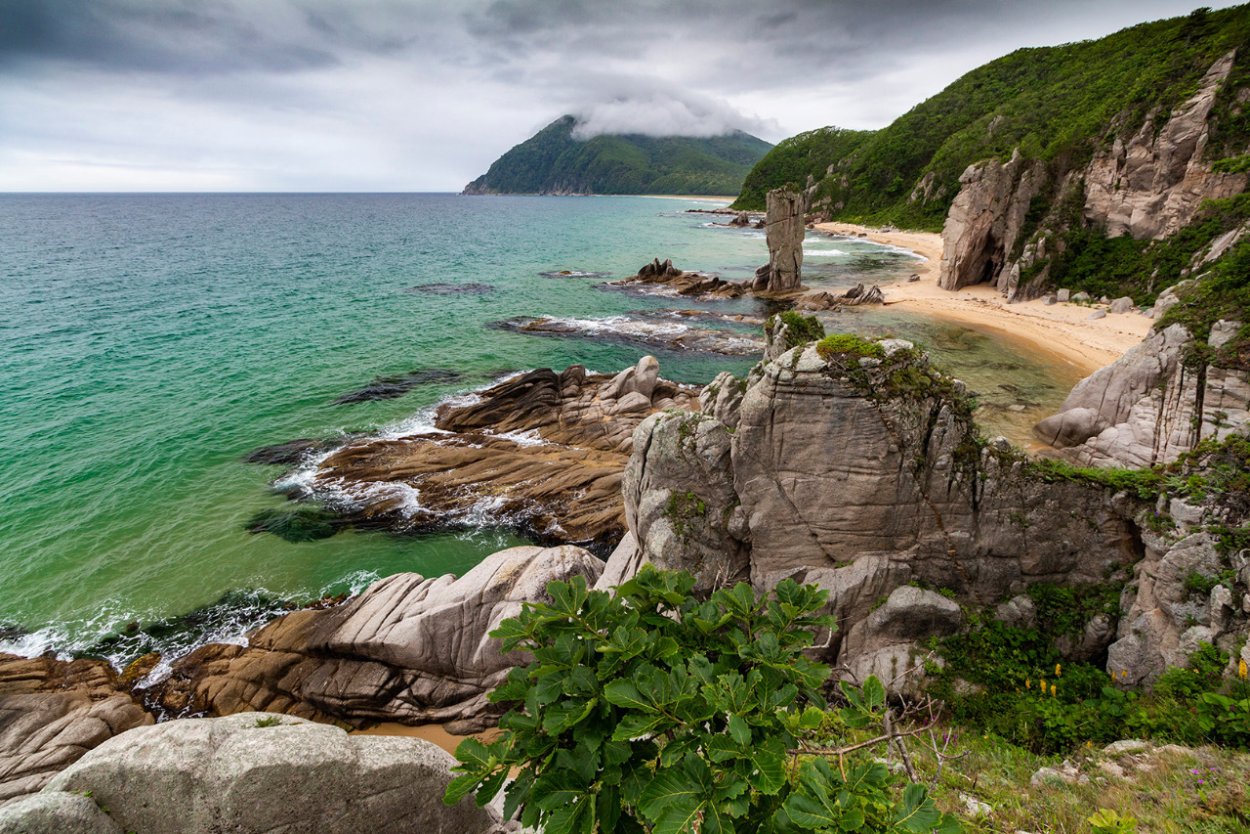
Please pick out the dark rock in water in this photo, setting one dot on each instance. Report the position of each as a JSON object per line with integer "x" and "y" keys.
{"x": 743, "y": 219}
{"x": 301, "y": 524}
{"x": 287, "y": 454}
{"x": 451, "y": 289}
{"x": 390, "y": 387}
{"x": 573, "y": 273}
{"x": 12, "y": 631}
{"x": 540, "y": 453}
{"x": 231, "y": 615}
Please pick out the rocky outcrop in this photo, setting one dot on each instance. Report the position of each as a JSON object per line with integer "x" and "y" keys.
{"x": 410, "y": 649}
{"x": 542, "y": 451}
{"x": 985, "y": 220}
{"x": 854, "y": 297}
{"x": 1151, "y": 405}
{"x": 862, "y": 474}
{"x": 255, "y": 773}
{"x": 649, "y": 331}
{"x": 885, "y": 643}
{"x": 1149, "y": 184}
{"x": 1152, "y": 183}
{"x": 696, "y": 284}
{"x": 54, "y": 711}
{"x": 1168, "y": 615}
{"x": 785, "y": 230}
{"x": 680, "y": 502}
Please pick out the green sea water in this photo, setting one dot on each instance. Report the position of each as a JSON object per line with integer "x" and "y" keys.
{"x": 149, "y": 342}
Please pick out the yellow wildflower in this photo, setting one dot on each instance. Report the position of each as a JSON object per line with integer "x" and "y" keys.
{"x": 1058, "y": 669}
{"x": 1053, "y": 690}
{"x": 1242, "y": 671}
{"x": 1028, "y": 684}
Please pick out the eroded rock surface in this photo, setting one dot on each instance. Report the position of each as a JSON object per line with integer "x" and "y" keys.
{"x": 1151, "y": 405}
{"x": 410, "y": 649}
{"x": 543, "y": 451}
{"x": 255, "y": 773}
{"x": 861, "y": 474}
{"x": 54, "y": 711}
{"x": 1148, "y": 184}
{"x": 785, "y": 229}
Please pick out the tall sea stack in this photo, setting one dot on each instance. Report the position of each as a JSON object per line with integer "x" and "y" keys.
{"x": 785, "y": 231}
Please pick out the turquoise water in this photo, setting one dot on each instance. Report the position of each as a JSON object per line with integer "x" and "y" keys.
{"x": 148, "y": 342}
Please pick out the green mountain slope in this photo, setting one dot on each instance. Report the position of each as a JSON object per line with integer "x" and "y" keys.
{"x": 1056, "y": 104}
{"x": 554, "y": 162}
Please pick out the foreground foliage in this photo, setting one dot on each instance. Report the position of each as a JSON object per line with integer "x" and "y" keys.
{"x": 649, "y": 710}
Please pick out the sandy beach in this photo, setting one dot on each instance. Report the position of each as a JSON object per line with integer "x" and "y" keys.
{"x": 1063, "y": 332}
{"x": 429, "y": 732}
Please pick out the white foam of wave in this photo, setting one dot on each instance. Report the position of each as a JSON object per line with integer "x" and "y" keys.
{"x": 355, "y": 583}
{"x": 530, "y": 437}
{"x": 623, "y": 325}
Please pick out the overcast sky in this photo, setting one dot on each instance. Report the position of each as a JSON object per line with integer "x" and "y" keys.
{"x": 410, "y": 95}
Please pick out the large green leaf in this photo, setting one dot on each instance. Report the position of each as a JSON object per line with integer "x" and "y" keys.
{"x": 624, "y": 693}
{"x": 916, "y": 812}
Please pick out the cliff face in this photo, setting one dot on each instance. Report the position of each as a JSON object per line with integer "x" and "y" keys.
{"x": 1149, "y": 186}
{"x": 862, "y": 475}
{"x": 1151, "y": 405}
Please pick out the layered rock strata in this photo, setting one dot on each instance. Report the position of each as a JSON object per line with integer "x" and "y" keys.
{"x": 410, "y": 649}
{"x": 54, "y": 711}
{"x": 542, "y": 451}
{"x": 862, "y": 474}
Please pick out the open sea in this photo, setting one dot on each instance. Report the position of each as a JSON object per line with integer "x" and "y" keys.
{"x": 149, "y": 342}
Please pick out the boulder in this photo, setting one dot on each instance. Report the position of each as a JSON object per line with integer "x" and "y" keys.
{"x": 52, "y": 712}
{"x": 257, "y": 773}
{"x": 1121, "y": 305}
{"x": 56, "y": 812}
{"x": 409, "y": 649}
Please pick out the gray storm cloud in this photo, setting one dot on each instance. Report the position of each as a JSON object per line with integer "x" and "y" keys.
{"x": 665, "y": 113}
{"x": 424, "y": 94}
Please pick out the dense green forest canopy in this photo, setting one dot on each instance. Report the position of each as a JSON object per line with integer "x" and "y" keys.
{"x": 1057, "y": 104}
{"x": 554, "y": 160}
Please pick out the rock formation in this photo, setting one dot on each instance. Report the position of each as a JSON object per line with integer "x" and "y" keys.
{"x": 252, "y": 773}
{"x": 687, "y": 283}
{"x": 785, "y": 229}
{"x": 409, "y": 649}
{"x": 1148, "y": 185}
{"x": 1151, "y": 405}
{"x": 862, "y": 474}
{"x": 54, "y": 711}
{"x": 543, "y": 451}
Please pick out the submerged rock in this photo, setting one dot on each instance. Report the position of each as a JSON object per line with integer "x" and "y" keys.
{"x": 390, "y": 387}
{"x": 257, "y": 773}
{"x": 450, "y": 289}
{"x": 290, "y": 452}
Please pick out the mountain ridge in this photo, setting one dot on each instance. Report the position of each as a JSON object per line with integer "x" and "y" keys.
{"x": 554, "y": 161}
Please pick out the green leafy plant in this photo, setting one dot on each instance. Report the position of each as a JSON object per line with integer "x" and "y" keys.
{"x": 650, "y": 710}
{"x": 1107, "y": 821}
